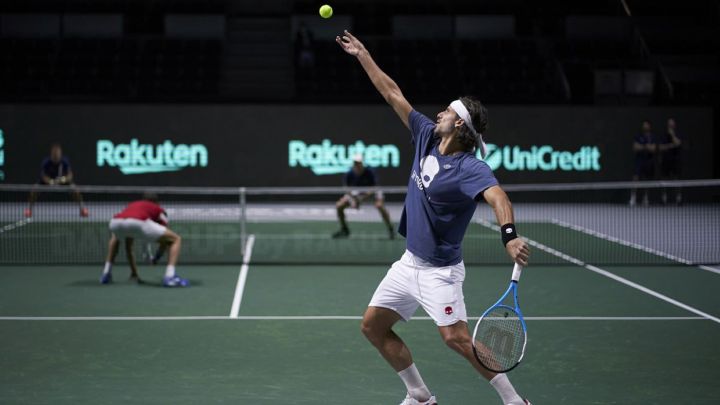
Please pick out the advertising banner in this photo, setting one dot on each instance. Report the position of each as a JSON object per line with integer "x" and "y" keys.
{"x": 313, "y": 145}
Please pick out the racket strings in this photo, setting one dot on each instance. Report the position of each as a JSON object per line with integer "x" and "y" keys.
{"x": 500, "y": 339}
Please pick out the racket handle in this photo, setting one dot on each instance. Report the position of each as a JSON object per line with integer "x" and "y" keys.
{"x": 516, "y": 272}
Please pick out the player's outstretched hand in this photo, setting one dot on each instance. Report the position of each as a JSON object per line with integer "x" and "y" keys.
{"x": 350, "y": 44}
{"x": 518, "y": 251}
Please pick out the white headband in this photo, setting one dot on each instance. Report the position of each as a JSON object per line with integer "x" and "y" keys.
{"x": 464, "y": 114}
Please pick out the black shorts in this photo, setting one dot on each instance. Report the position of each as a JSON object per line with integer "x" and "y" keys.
{"x": 644, "y": 169}
{"x": 670, "y": 168}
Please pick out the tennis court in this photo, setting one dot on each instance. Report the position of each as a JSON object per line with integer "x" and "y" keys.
{"x": 259, "y": 331}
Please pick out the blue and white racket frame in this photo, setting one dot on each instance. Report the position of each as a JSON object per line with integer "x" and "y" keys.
{"x": 517, "y": 271}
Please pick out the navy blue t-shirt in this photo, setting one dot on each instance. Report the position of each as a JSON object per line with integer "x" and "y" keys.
{"x": 672, "y": 154}
{"x": 441, "y": 197}
{"x": 644, "y": 156}
{"x": 365, "y": 179}
{"x": 55, "y": 170}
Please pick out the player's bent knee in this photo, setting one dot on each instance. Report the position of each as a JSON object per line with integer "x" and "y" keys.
{"x": 455, "y": 339}
{"x": 169, "y": 238}
{"x": 364, "y": 328}
{"x": 367, "y": 328}
{"x": 377, "y": 323}
{"x": 372, "y": 333}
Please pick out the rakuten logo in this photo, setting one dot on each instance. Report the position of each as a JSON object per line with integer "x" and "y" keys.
{"x": 327, "y": 158}
{"x": 137, "y": 158}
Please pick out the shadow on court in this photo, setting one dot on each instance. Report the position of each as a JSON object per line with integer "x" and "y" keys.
{"x": 126, "y": 282}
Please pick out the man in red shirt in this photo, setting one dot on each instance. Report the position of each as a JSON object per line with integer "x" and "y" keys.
{"x": 143, "y": 219}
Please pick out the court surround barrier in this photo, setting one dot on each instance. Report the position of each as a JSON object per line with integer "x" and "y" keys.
{"x": 590, "y": 221}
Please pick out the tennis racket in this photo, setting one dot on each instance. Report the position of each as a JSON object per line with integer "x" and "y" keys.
{"x": 500, "y": 334}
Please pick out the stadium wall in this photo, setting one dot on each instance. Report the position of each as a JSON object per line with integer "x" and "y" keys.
{"x": 311, "y": 145}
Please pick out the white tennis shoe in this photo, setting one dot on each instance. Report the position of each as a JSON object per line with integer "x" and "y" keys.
{"x": 412, "y": 401}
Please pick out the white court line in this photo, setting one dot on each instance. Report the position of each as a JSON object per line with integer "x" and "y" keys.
{"x": 651, "y": 292}
{"x": 631, "y": 244}
{"x": 240, "y": 287}
{"x": 606, "y": 273}
{"x": 18, "y": 224}
{"x": 329, "y": 318}
{"x": 710, "y": 269}
{"x": 314, "y": 237}
{"x": 619, "y": 241}
{"x": 613, "y": 239}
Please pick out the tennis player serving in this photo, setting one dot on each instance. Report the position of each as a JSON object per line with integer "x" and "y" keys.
{"x": 445, "y": 184}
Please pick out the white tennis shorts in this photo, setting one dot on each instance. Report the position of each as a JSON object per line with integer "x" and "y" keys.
{"x": 136, "y": 228}
{"x": 412, "y": 282}
{"x": 350, "y": 198}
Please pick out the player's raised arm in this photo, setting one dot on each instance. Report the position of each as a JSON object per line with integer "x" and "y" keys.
{"x": 500, "y": 203}
{"x": 383, "y": 83}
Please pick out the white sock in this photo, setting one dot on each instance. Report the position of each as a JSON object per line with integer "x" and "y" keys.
{"x": 169, "y": 271}
{"x": 415, "y": 385}
{"x": 108, "y": 267}
{"x": 506, "y": 391}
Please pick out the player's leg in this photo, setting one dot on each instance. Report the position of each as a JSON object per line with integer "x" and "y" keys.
{"x": 675, "y": 175}
{"x": 32, "y": 198}
{"x": 130, "y": 254}
{"x": 118, "y": 229}
{"x": 458, "y": 338}
{"x": 645, "y": 191}
{"x": 159, "y": 253}
{"x": 441, "y": 296}
{"x": 392, "y": 301}
{"x": 644, "y": 170}
{"x": 173, "y": 241}
{"x": 633, "y": 191}
{"x": 377, "y": 326}
{"x": 113, "y": 247}
{"x": 665, "y": 174}
{"x": 79, "y": 199}
{"x": 380, "y": 205}
{"x": 340, "y": 206}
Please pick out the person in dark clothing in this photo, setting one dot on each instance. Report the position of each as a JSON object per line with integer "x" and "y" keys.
{"x": 644, "y": 148}
{"x": 55, "y": 170}
{"x": 360, "y": 176}
{"x": 671, "y": 159}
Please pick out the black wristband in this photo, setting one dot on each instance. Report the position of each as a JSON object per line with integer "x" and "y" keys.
{"x": 508, "y": 233}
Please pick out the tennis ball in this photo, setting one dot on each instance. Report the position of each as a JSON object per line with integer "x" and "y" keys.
{"x": 325, "y": 11}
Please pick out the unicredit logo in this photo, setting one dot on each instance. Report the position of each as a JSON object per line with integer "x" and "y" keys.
{"x": 137, "y": 158}
{"x": 543, "y": 158}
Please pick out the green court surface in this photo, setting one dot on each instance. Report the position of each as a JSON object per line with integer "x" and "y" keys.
{"x": 296, "y": 340}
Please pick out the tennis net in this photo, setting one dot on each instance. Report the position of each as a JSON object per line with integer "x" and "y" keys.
{"x": 591, "y": 222}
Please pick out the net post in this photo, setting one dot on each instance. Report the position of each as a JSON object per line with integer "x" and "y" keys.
{"x": 243, "y": 219}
